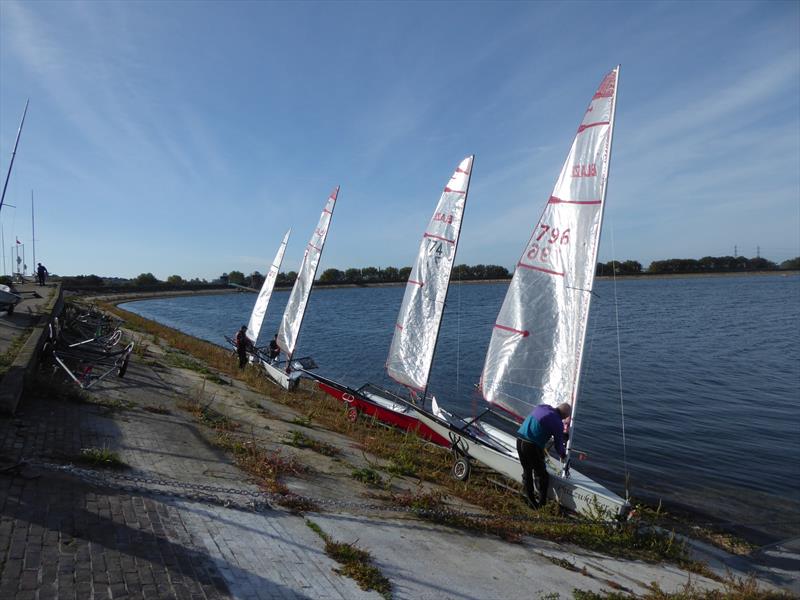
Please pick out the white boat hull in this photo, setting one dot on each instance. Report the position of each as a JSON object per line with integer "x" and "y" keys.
{"x": 278, "y": 374}
{"x": 8, "y": 298}
{"x": 576, "y": 492}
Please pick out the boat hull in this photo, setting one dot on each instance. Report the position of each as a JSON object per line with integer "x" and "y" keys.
{"x": 8, "y": 299}
{"x": 288, "y": 381}
{"x": 406, "y": 420}
{"x": 575, "y": 492}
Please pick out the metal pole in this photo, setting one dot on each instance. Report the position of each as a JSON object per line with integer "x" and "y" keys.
{"x": 33, "y": 230}
{"x": 13, "y": 154}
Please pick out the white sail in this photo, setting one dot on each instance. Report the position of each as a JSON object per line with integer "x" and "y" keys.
{"x": 417, "y": 326}
{"x": 296, "y": 307}
{"x": 260, "y": 307}
{"x": 537, "y": 343}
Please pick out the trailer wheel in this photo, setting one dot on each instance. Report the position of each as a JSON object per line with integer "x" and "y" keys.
{"x": 461, "y": 468}
{"x": 124, "y": 366}
{"x": 352, "y": 414}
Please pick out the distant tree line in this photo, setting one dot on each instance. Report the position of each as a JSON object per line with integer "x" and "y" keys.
{"x": 372, "y": 275}
{"x": 707, "y": 264}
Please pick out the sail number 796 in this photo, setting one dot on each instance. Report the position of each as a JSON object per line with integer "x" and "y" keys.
{"x": 546, "y": 237}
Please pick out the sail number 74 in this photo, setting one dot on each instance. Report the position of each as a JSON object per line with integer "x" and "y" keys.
{"x": 546, "y": 237}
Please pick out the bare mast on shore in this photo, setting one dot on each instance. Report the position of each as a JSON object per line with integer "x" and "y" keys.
{"x": 13, "y": 154}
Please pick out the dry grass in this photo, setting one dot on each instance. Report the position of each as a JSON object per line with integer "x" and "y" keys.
{"x": 734, "y": 588}
{"x": 357, "y": 563}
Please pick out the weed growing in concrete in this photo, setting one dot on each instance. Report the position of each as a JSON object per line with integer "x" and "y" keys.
{"x": 299, "y": 439}
{"x": 357, "y": 564}
{"x": 734, "y": 588}
{"x": 368, "y": 476}
{"x": 303, "y": 421}
{"x": 100, "y": 457}
{"x": 159, "y": 410}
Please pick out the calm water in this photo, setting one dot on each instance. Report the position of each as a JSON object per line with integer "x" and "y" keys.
{"x": 710, "y": 379}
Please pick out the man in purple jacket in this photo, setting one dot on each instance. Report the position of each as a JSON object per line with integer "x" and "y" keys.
{"x": 543, "y": 423}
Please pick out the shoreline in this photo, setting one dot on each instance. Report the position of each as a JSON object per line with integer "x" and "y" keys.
{"x": 134, "y": 296}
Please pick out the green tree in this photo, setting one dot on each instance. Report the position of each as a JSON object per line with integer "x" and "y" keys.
{"x": 391, "y": 274}
{"x": 236, "y": 277}
{"x": 791, "y": 264}
{"x": 369, "y": 274}
{"x": 175, "y": 280}
{"x": 331, "y": 276}
{"x": 256, "y": 280}
{"x": 352, "y": 275}
{"x": 146, "y": 279}
{"x": 405, "y": 273}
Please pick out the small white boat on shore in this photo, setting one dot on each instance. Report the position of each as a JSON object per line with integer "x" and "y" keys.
{"x": 8, "y": 299}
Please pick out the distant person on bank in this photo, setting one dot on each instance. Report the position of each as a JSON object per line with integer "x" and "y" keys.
{"x": 274, "y": 349}
{"x": 543, "y": 423}
{"x": 243, "y": 344}
{"x": 41, "y": 273}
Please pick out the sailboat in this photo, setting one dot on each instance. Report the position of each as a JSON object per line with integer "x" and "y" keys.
{"x": 417, "y": 327}
{"x": 263, "y": 298}
{"x": 537, "y": 342}
{"x": 287, "y": 373}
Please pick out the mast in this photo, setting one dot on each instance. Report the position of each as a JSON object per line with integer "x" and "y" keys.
{"x": 585, "y": 320}
{"x": 33, "y": 230}
{"x": 14, "y": 153}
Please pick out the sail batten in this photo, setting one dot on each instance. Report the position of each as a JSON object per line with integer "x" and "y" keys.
{"x": 260, "y": 307}
{"x": 292, "y": 319}
{"x": 547, "y": 297}
{"x": 417, "y": 328}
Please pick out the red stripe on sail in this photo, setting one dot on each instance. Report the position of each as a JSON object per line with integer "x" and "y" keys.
{"x": 325, "y": 210}
{"x": 523, "y": 333}
{"x": 554, "y": 200}
{"x": 314, "y": 247}
{"x": 419, "y": 283}
{"x": 585, "y": 127}
{"x": 526, "y": 266}
{"x": 462, "y": 171}
{"x": 400, "y": 327}
{"x": 447, "y": 189}
{"x": 438, "y": 237}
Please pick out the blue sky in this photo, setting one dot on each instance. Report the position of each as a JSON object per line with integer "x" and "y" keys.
{"x": 187, "y": 137}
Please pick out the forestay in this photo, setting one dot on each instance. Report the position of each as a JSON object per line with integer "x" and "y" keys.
{"x": 537, "y": 342}
{"x": 417, "y": 326}
{"x": 296, "y": 307}
{"x": 260, "y": 308}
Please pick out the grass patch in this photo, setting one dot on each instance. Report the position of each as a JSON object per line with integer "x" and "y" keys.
{"x": 266, "y": 466}
{"x": 184, "y": 361}
{"x": 7, "y": 358}
{"x": 357, "y": 563}
{"x": 159, "y": 410}
{"x": 207, "y": 415}
{"x": 100, "y": 457}
{"x": 303, "y": 421}
{"x": 298, "y": 439}
{"x": 368, "y": 476}
{"x": 734, "y": 588}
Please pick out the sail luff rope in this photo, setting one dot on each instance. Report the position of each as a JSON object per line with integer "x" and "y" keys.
{"x": 619, "y": 364}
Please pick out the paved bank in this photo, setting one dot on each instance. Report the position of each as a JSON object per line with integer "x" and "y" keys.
{"x": 70, "y": 533}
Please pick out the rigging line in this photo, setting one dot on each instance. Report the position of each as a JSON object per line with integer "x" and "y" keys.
{"x": 619, "y": 365}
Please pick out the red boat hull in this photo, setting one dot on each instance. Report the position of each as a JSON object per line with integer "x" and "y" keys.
{"x": 363, "y": 405}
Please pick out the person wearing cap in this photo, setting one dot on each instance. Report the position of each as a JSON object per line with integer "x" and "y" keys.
{"x": 243, "y": 344}
{"x": 543, "y": 423}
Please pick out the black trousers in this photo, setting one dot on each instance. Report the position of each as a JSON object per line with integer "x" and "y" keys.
{"x": 531, "y": 457}
{"x": 242, "y": 357}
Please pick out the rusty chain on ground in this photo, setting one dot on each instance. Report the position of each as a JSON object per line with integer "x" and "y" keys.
{"x": 259, "y": 500}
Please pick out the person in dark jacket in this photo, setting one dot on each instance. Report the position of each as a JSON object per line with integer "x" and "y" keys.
{"x": 274, "y": 349}
{"x": 41, "y": 273}
{"x": 543, "y": 423}
{"x": 243, "y": 344}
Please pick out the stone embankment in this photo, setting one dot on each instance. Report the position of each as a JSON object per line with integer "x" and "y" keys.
{"x": 180, "y": 481}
